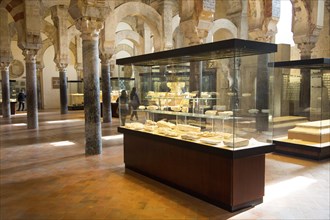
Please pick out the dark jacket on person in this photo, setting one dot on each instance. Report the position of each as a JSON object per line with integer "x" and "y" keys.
{"x": 21, "y": 97}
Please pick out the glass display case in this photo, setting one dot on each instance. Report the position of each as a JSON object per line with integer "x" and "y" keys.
{"x": 14, "y": 87}
{"x": 230, "y": 100}
{"x": 206, "y": 117}
{"x": 75, "y": 94}
{"x": 302, "y": 120}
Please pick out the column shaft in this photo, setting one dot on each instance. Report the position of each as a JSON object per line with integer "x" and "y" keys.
{"x": 235, "y": 64}
{"x": 305, "y": 89}
{"x": 106, "y": 93}
{"x": 63, "y": 91}
{"x": 167, "y": 24}
{"x": 305, "y": 80}
{"x": 262, "y": 93}
{"x": 92, "y": 97}
{"x": 195, "y": 81}
{"x": 5, "y": 92}
{"x": 31, "y": 95}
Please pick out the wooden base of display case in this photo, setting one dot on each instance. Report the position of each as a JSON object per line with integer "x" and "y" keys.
{"x": 12, "y": 108}
{"x": 114, "y": 110}
{"x": 304, "y": 151}
{"x": 75, "y": 107}
{"x": 230, "y": 179}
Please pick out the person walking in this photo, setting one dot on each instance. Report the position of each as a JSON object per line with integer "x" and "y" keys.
{"x": 135, "y": 102}
{"x": 21, "y": 100}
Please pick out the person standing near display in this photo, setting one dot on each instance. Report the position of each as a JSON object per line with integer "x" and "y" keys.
{"x": 21, "y": 97}
{"x": 123, "y": 106}
{"x": 135, "y": 102}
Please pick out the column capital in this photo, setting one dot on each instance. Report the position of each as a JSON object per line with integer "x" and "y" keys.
{"x": 306, "y": 49}
{"x": 61, "y": 67}
{"x": 40, "y": 65}
{"x": 105, "y": 58}
{"x": 30, "y": 55}
{"x": 90, "y": 28}
{"x": 4, "y": 66}
{"x": 196, "y": 20}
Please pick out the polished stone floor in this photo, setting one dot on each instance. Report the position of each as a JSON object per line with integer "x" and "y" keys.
{"x": 46, "y": 175}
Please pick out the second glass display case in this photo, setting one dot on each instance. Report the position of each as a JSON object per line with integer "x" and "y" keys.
{"x": 302, "y": 117}
{"x": 14, "y": 88}
{"x": 75, "y": 94}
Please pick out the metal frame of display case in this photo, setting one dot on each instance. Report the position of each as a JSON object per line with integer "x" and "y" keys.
{"x": 294, "y": 147}
{"x": 229, "y": 178}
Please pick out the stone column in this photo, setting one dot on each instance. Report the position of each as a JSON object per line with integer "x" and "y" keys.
{"x": 243, "y": 22}
{"x": 167, "y": 24}
{"x": 281, "y": 102}
{"x": 63, "y": 88}
{"x": 306, "y": 28}
{"x": 59, "y": 16}
{"x": 31, "y": 88}
{"x": 262, "y": 92}
{"x": 235, "y": 86}
{"x": 305, "y": 78}
{"x": 5, "y": 59}
{"x": 5, "y": 90}
{"x": 106, "y": 88}
{"x": 39, "y": 84}
{"x": 196, "y": 19}
{"x": 90, "y": 30}
{"x": 195, "y": 80}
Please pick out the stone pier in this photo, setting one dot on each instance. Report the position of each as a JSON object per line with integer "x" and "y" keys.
{"x": 63, "y": 90}
{"x": 106, "y": 89}
{"x": 90, "y": 35}
{"x": 31, "y": 88}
